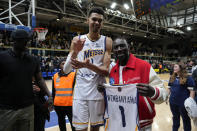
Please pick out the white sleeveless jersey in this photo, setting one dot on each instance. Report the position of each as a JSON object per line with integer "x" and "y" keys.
{"x": 121, "y": 111}
{"x": 87, "y": 80}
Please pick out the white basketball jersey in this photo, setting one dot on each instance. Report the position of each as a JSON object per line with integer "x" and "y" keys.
{"x": 87, "y": 80}
{"x": 121, "y": 111}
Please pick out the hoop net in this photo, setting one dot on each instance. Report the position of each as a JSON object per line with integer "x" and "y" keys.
{"x": 41, "y": 32}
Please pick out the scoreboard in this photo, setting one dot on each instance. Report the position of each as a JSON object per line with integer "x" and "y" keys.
{"x": 157, "y": 4}
{"x": 143, "y": 7}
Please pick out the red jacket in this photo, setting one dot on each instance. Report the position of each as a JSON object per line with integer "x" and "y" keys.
{"x": 138, "y": 71}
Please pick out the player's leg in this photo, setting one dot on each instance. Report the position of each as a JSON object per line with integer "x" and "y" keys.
{"x": 80, "y": 115}
{"x": 96, "y": 108}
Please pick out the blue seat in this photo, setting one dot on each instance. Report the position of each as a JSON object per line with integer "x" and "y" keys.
{"x": 44, "y": 74}
{"x": 49, "y": 74}
{"x": 54, "y": 73}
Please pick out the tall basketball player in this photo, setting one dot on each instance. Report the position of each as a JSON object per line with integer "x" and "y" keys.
{"x": 90, "y": 54}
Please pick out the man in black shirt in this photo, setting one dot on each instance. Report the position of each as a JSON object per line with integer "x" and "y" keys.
{"x": 16, "y": 92}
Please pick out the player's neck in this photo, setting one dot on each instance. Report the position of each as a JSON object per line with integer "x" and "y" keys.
{"x": 93, "y": 36}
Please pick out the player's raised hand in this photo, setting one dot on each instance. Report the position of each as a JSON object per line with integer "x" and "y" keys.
{"x": 78, "y": 44}
{"x": 145, "y": 90}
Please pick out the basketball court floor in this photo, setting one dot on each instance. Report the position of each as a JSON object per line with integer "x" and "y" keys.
{"x": 162, "y": 121}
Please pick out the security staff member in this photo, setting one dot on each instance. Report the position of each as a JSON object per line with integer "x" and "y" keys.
{"x": 62, "y": 92}
{"x": 16, "y": 91}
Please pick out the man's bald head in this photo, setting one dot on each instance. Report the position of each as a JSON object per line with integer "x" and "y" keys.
{"x": 120, "y": 41}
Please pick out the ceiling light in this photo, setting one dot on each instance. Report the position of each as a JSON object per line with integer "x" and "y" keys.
{"x": 113, "y": 5}
{"x": 123, "y": 32}
{"x": 179, "y": 24}
{"x": 57, "y": 19}
{"x": 189, "y": 28}
{"x": 126, "y": 6}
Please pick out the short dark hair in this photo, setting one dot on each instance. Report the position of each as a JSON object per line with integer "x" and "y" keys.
{"x": 97, "y": 10}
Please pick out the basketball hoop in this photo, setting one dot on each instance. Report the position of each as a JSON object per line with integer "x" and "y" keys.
{"x": 41, "y": 32}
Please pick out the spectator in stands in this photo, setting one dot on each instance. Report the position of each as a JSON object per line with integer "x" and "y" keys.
{"x": 160, "y": 68}
{"x": 171, "y": 68}
{"x": 1, "y": 43}
{"x": 194, "y": 66}
{"x": 62, "y": 92}
{"x": 189, "y": 66}
{"x": 179, "y": 88}
{"x": 67, "y": 45}
{"x": 16, "y": 90}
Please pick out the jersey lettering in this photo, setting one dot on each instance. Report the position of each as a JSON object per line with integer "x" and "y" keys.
{"x": 122, "y": 110}
{"x": 92, "y": 53}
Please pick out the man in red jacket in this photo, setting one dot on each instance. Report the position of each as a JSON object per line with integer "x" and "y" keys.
{"x": 130, "y": 70}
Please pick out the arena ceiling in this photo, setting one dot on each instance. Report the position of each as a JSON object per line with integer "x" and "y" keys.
{"x": 152, "y": 26}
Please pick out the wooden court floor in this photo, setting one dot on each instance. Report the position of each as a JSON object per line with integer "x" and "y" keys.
{"x": 162, "y": 121}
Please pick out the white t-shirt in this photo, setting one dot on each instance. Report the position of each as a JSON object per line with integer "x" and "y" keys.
{"x": 120, "y": 74}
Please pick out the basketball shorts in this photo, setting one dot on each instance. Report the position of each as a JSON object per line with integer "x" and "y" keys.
{"x": 85, "y": 111}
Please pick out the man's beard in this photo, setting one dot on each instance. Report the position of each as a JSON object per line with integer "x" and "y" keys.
{"x": 123, "y": 59}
